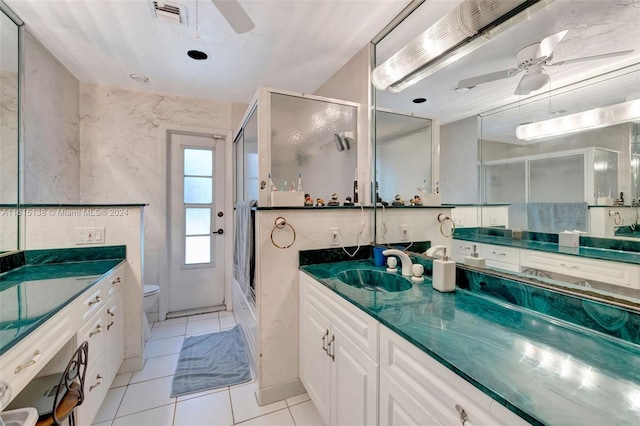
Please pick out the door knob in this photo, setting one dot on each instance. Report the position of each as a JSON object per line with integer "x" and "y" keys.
{"x": 219, "y": 231}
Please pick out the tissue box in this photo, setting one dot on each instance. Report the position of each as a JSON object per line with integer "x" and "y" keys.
{"x": 569, "y": 239}
{"x": 287, "y": 199}
{"x": 604, "y": 201}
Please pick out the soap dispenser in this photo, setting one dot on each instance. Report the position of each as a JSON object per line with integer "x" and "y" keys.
{"x": 474, "y": 259}
{"x": 444, "y": 270}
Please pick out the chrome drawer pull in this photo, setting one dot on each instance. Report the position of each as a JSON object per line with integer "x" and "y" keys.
{"x": 465, "y": 247}
{"x": 116, "y": 281}
{"x": 566, "y": 265}
{"x": 499, "y": 253}
{"x": 98, "y": 330}
{"x": 97, "y": 299}
{"x": 110, "y": 313}
{"x": 98, "y": 383}
{"x": 331, "y": 342}
{"x": 34, "y": 358}
{"x": 110, "y": 324}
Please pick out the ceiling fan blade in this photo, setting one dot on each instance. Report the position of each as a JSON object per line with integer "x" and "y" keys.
{"x": 486, "y": 78}
{"x": 591, "y": 58}
{"x": 235, "y": 15}
{"x": 531, "y": 82}
{"x": 548, "y": 44}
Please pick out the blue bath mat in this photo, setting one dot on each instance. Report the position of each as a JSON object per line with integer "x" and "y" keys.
{"x": 211, "y": 361}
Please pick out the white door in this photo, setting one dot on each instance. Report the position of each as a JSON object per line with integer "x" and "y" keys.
{"x": 196, "y": 233}
{"x": 354, "y": 383}
{"x": 314, "y": 361}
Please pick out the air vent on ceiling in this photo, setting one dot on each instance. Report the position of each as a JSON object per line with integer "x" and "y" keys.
{"x": 172, "y": 12}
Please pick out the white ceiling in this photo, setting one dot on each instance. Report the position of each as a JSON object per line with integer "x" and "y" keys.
{"x": 295, "y": 45}
{"x": 595, "y": 27}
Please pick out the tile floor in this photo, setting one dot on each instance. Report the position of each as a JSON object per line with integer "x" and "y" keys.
{"x": 142, "y": 398}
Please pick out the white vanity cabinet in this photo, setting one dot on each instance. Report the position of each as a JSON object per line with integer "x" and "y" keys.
{"x": 415, "y": 389}
{"x": 359, "y": 372}
{"x": 505, "y": 258}
{"x": 104, "y": 330}
{"x": 338, "y": 356}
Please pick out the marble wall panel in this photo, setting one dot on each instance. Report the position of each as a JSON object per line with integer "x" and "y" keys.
{"x": 51, "y": 134}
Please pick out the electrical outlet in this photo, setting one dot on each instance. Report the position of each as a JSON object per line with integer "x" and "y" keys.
{"x": 90, "y": 235}
{"x": 494, "y": 220}
{"x": 404, "y": 231}
{"x": 458, "y": 220}
{"x": 334, "y": 236}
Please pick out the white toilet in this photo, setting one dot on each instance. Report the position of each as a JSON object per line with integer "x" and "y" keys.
{"x": 151, "y": 293}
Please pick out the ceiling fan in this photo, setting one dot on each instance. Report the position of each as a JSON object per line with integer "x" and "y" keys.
{"x": 532, "y": 59}
{"x": 235, "y": 15}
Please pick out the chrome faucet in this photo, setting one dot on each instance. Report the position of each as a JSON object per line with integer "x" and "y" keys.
{"x": 407, "y": 266}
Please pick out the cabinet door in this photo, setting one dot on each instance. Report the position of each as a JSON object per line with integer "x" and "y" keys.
{"x": 354, "y": 383}
{"x": 115, "y": 331}
{"x": 314, "y": 361}
{"x": 397, "y": 407}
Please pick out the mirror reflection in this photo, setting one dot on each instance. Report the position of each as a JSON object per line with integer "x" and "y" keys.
{"x": 482, "y": 101}
{"x": 9, "y": 133}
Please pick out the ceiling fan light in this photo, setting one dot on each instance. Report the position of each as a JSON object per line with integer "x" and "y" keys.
{"x": 455, "y": 35}
{"x": 581, "y": 121}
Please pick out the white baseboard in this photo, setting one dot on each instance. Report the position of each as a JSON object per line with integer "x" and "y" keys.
{"x": 133, "y": 363}
{"x": 279, "y": 392}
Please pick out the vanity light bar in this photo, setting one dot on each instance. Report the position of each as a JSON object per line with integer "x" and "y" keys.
{"x": 581, "y": 121}
{"x": 455, "y": 35}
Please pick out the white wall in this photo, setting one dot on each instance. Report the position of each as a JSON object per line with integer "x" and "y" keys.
{"x": 459, "y": 160}
{"x": 123, "y": 152}
{"x": 278, "y": 289}
{"x": 51, "y": 136}
{"x": 56, "y": 228}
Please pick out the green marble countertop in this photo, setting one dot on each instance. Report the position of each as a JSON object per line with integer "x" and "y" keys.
{"x": 31, "y": 294}
{"x": 582, "y": 251}
{"x": 544, "y": 369}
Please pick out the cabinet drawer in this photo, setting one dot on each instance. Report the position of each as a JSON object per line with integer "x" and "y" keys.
{"x": 462, "y": 248}
{"x": 92, "y": 301}
{"x": 115, "y": 280}
{"x": 21, "y": 364}
{"x": 433, "y": 386}
{"x": 500, "y": 253}
{"x": 95, "y": 387}
{"x": 359, "y": 327}
{"x": 616, "y": 273}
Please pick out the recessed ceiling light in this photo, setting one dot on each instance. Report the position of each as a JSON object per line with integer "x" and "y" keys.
{"x": 139, "y": 78}
{"x": 419, "y": 100}
{"x": 198, "y": 55}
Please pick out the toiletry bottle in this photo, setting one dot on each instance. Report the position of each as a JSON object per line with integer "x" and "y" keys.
{"x": 355, "y": 189}
{"x": 444, "y": 270}
{"x": 474, "y": 259}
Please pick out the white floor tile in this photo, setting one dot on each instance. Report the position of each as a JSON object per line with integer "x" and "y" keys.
{"x": 168, "y": 331}
{"x": 172, "y": 321}
{"x": 227, "y": 322}
{"x": 146, "y": 395}
{"x": 121, "y": 380}
{"x": 306, "y": 414}
{"x": 161, "y": 416}
{"x": 155, "y": 368}
{"x": 209, "y": 410}
{"x": 279, "y": 418}
{"x": 203, "y": 393}
{"x": 201, "y": 317}
{"x": 205, "y": 326}
{"x": 110, "y": 405}
{"x": 245, "y": 405}
{"x": 161, "y": 347}
{"x": 225, "y": 313}
{"x": 294, "y": 400}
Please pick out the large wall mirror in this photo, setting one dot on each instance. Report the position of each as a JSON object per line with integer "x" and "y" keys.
{"x": 9, "y": 129}
{"x": 481, "y": 96}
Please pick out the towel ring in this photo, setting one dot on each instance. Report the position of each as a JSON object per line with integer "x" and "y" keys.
{"x": 280, "y": 223}
{"x": 443, "y": 219}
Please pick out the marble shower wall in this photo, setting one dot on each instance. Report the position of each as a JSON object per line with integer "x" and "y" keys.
{"x": 123, "y": 152}
{"x": 51, "y": 133}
